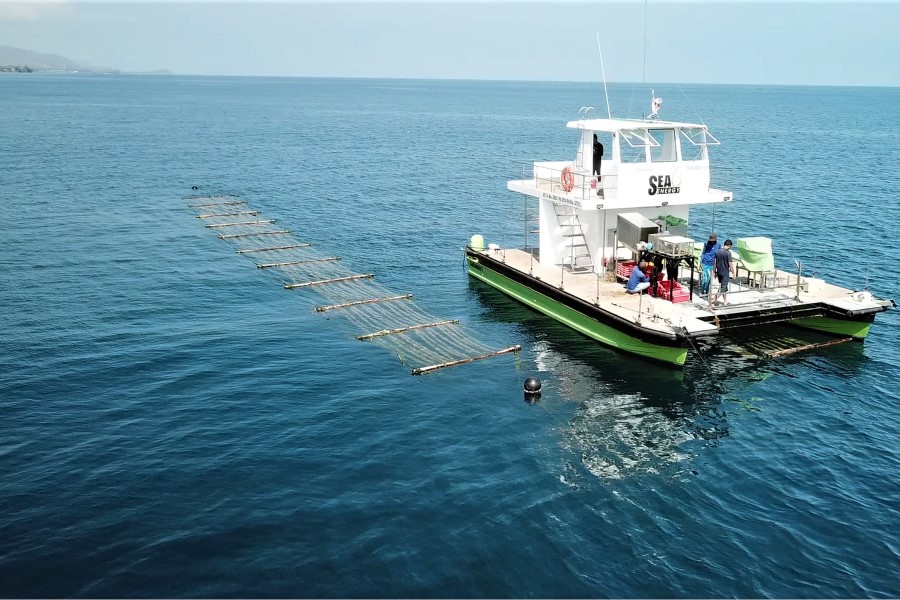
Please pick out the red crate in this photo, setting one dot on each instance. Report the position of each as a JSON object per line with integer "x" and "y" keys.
{"x": 679, "y": 292}
{"x": 624, "y": 269}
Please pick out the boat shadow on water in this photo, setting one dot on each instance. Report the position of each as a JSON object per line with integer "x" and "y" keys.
{"x": 634, "y": 416}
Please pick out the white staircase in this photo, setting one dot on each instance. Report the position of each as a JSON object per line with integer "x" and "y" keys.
{"x": 578, "y": 256}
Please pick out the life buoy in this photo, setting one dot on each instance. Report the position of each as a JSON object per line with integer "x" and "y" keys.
{"x": 567, "y": 178}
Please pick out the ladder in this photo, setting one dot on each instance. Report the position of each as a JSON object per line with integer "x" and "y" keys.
{"x": 579, "y": 255}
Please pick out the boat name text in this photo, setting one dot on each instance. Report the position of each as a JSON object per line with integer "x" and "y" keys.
{"x": 662, "y": 184}
{"x": 559, "y": 199}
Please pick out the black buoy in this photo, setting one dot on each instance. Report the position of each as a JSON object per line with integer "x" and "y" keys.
{"x": 194, "y": 187}
{"x": 532, "y": 389}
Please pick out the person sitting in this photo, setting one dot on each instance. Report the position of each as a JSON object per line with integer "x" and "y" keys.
{"x": 638, "y": 282}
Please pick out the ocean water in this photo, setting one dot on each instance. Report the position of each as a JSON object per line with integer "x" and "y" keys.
{"x": 175, "y": 424}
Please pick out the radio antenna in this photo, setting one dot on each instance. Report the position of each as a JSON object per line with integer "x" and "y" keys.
{"x": 603, "y": 71}
{"x": 644, "y": 74}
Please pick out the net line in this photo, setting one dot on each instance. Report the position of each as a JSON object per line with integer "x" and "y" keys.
{"x": 380, "y": 316}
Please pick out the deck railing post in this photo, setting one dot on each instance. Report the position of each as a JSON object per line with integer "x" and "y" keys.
{"x": 640, "y": 304}
{"x": 525, "y": 218}
{"x": 616, "y": 253}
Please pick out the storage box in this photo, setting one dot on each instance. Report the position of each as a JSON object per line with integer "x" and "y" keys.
{"x": 633, "y": 228}
{"x": 671, "y": 245}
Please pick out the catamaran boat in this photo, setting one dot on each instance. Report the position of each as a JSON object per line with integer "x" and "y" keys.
{"x": 598, "y": 216}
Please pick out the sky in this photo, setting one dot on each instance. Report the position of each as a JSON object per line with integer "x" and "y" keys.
{"x": 715, "y": 41}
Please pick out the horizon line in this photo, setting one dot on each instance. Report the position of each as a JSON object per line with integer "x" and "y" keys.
{"x": 168, "y": 73}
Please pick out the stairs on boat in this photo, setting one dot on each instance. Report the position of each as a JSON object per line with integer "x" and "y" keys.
{"x": 579, "y": 254}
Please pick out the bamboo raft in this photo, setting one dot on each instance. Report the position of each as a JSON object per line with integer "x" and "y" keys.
{"x": 273, "y": 248}
{"x": 293, "y": 286}
{"x": 296, "y": 262}
{"x": 369, "y": 336}
{"x": 358, "y": 302}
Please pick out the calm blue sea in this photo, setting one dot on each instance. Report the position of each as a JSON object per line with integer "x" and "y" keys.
{"x": 175, "y": 424}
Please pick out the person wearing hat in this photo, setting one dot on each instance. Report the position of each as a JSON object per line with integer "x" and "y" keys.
{"x": 707, "y": 261}
{"x": 638, "y": 282}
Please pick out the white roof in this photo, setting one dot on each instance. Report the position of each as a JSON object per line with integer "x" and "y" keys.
{"x": 613, "y": 125}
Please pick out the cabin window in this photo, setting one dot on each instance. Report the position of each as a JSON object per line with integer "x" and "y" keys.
{"x": 634, "y": 145}
{"x": 664, "y": 149}
{"x": 694, "y": 141}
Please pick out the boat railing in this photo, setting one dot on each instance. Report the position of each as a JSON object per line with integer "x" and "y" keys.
{"x": 520, "y": 170}
{"x": 793, "y": 283}
{"x": 560, "y": 177}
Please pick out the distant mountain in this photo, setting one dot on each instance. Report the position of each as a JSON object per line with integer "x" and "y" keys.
{"x": 10, "y": 56}
{"x": 17, "y": 57}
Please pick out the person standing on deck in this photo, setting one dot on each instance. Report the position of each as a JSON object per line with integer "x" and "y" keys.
{"x": 638, "y": 282}
{"x": 598, "y": 158}
{"x": 707, "y": 262}
{"x": 724, "y": 270}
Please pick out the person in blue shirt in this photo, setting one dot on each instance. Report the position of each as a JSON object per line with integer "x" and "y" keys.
{"x": 638, "y": 282}
{"x": 707, "y": 261}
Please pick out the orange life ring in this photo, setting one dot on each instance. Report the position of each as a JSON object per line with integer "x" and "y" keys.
{"x": 567, "y": 177}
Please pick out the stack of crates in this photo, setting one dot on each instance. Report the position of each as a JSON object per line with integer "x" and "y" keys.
{"x": 624, "y": 269}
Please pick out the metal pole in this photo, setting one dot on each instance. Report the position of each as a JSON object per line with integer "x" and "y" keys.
{"x": 525, "y": 218}
{"x": 616, "y": 252}
{"x": 572, "y": 244}
{"x": 799, "y": 269}
{"x": 691, "y": 292}
{"x": 603, "y": 71}
{"x": 598, "y": 289}
{"x": 603, "y": 261}
{"x": 640, "y": 304}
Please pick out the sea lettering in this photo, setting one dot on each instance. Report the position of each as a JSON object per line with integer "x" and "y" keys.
{"x": 662, "y": 184}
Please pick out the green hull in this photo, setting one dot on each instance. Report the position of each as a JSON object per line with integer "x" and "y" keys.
{"x": 841, "y": 327}
{"x": 578, "y": 321}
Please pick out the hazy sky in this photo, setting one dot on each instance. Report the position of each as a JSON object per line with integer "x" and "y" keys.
{"x": 717, "y": 41}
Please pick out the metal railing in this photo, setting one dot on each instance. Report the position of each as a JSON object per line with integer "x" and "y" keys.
{"x": 768, "y": 281}
{"x": 548, "y": 177}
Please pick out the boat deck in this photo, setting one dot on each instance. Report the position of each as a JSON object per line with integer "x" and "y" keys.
{"x": 779, "y": 299}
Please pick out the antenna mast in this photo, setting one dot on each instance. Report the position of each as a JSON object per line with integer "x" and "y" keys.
{"x": 603, "y": 71}
{"x": 644, "y": 74}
